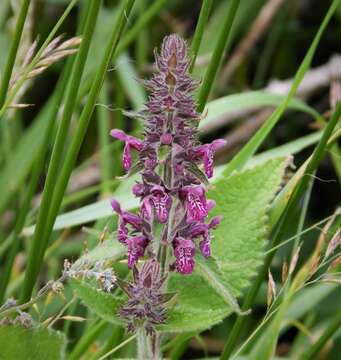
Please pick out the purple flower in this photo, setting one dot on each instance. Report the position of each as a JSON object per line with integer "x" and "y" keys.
{"x": 168, "y": 160}
{"x": 136, "y": 247}
{"x": 138, "y": 189}
{"x": 206, "y": 152}
{"x": 125, "y": 218}
{"x": 130, "y": 142}
{"x": 166, "y": 139}
{"x": 158, "y": 200}
{"x": 146, "y": 300}
{"x": 195, "y": 202}
{"x": 161, "y": 202}
{"x": 202, "y": 229}
{"x": 184, "y": 253}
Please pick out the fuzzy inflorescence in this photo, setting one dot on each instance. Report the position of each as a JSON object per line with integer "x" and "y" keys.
{"x": 174, "y": 169}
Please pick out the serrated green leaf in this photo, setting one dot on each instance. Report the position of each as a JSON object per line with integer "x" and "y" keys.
{"x": 243, "y": 201}
{"x": 18, "y": 343}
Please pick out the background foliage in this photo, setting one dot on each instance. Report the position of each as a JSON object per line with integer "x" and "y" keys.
{"x": 271, "y": 73}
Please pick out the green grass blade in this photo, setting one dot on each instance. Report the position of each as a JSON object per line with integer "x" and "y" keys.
{"x": 199, "y": 30}
{"x": 103, "y": 122}
{"x": 39, "y": 243}
{"x": 141, "y": 44}
{"x": 223, "y": 43}
{"x": 19, "y": 27}
{"x": 23, "y": 155}
{"x": 142, "y": 22}
{"x": 251, "y": 147}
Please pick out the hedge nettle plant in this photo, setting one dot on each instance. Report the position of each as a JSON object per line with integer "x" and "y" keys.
{"x": 179, "y": 280}
{"x": 172, "y": 221}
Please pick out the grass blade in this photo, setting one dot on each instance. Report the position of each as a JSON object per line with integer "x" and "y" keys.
{"x": 39, "y": 243}
{"x": 199, "y": 30}
{"x": 251, "y": 147}
{"x": 223, "y": 43}
{"x": 103, "y": 131}
{"x": 144, "y": 20}
{"x": 19, "y": 27}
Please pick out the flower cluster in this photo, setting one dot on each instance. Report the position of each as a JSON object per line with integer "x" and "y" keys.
{"x": 145, "y": 305}
{"x": 172, "y": 189}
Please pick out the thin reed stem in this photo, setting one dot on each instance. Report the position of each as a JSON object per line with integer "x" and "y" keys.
{"x": 199, "y": 31}
{"x": 222, "y": 46}
{"x": 19, "y": 27}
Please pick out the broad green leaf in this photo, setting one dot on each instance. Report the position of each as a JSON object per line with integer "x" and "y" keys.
{"x": 242, "y": 199}
{"x": 18, "y": 343}
{"x": 250, "y": 100}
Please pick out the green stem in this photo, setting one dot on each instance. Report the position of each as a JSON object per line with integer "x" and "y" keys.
{"x": 118, "y": 347}
{"x": 103, "y": 122}
{"x": 199, "y": 31}
{"x": 312, "y": 352}
{"x": 86, "y": 116}
{"x": 223, "y": 43}
{"x": 39, "y": 242}
{"x": 19, "y": 27}
{"x": 141, "y": 47}
{"x": 335, "y": 155}
{"x": 144, "y": 348}
{"x": 303, "y": 216}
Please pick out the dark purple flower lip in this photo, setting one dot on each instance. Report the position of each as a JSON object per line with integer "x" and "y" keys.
{"x": 184, "y": 253}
